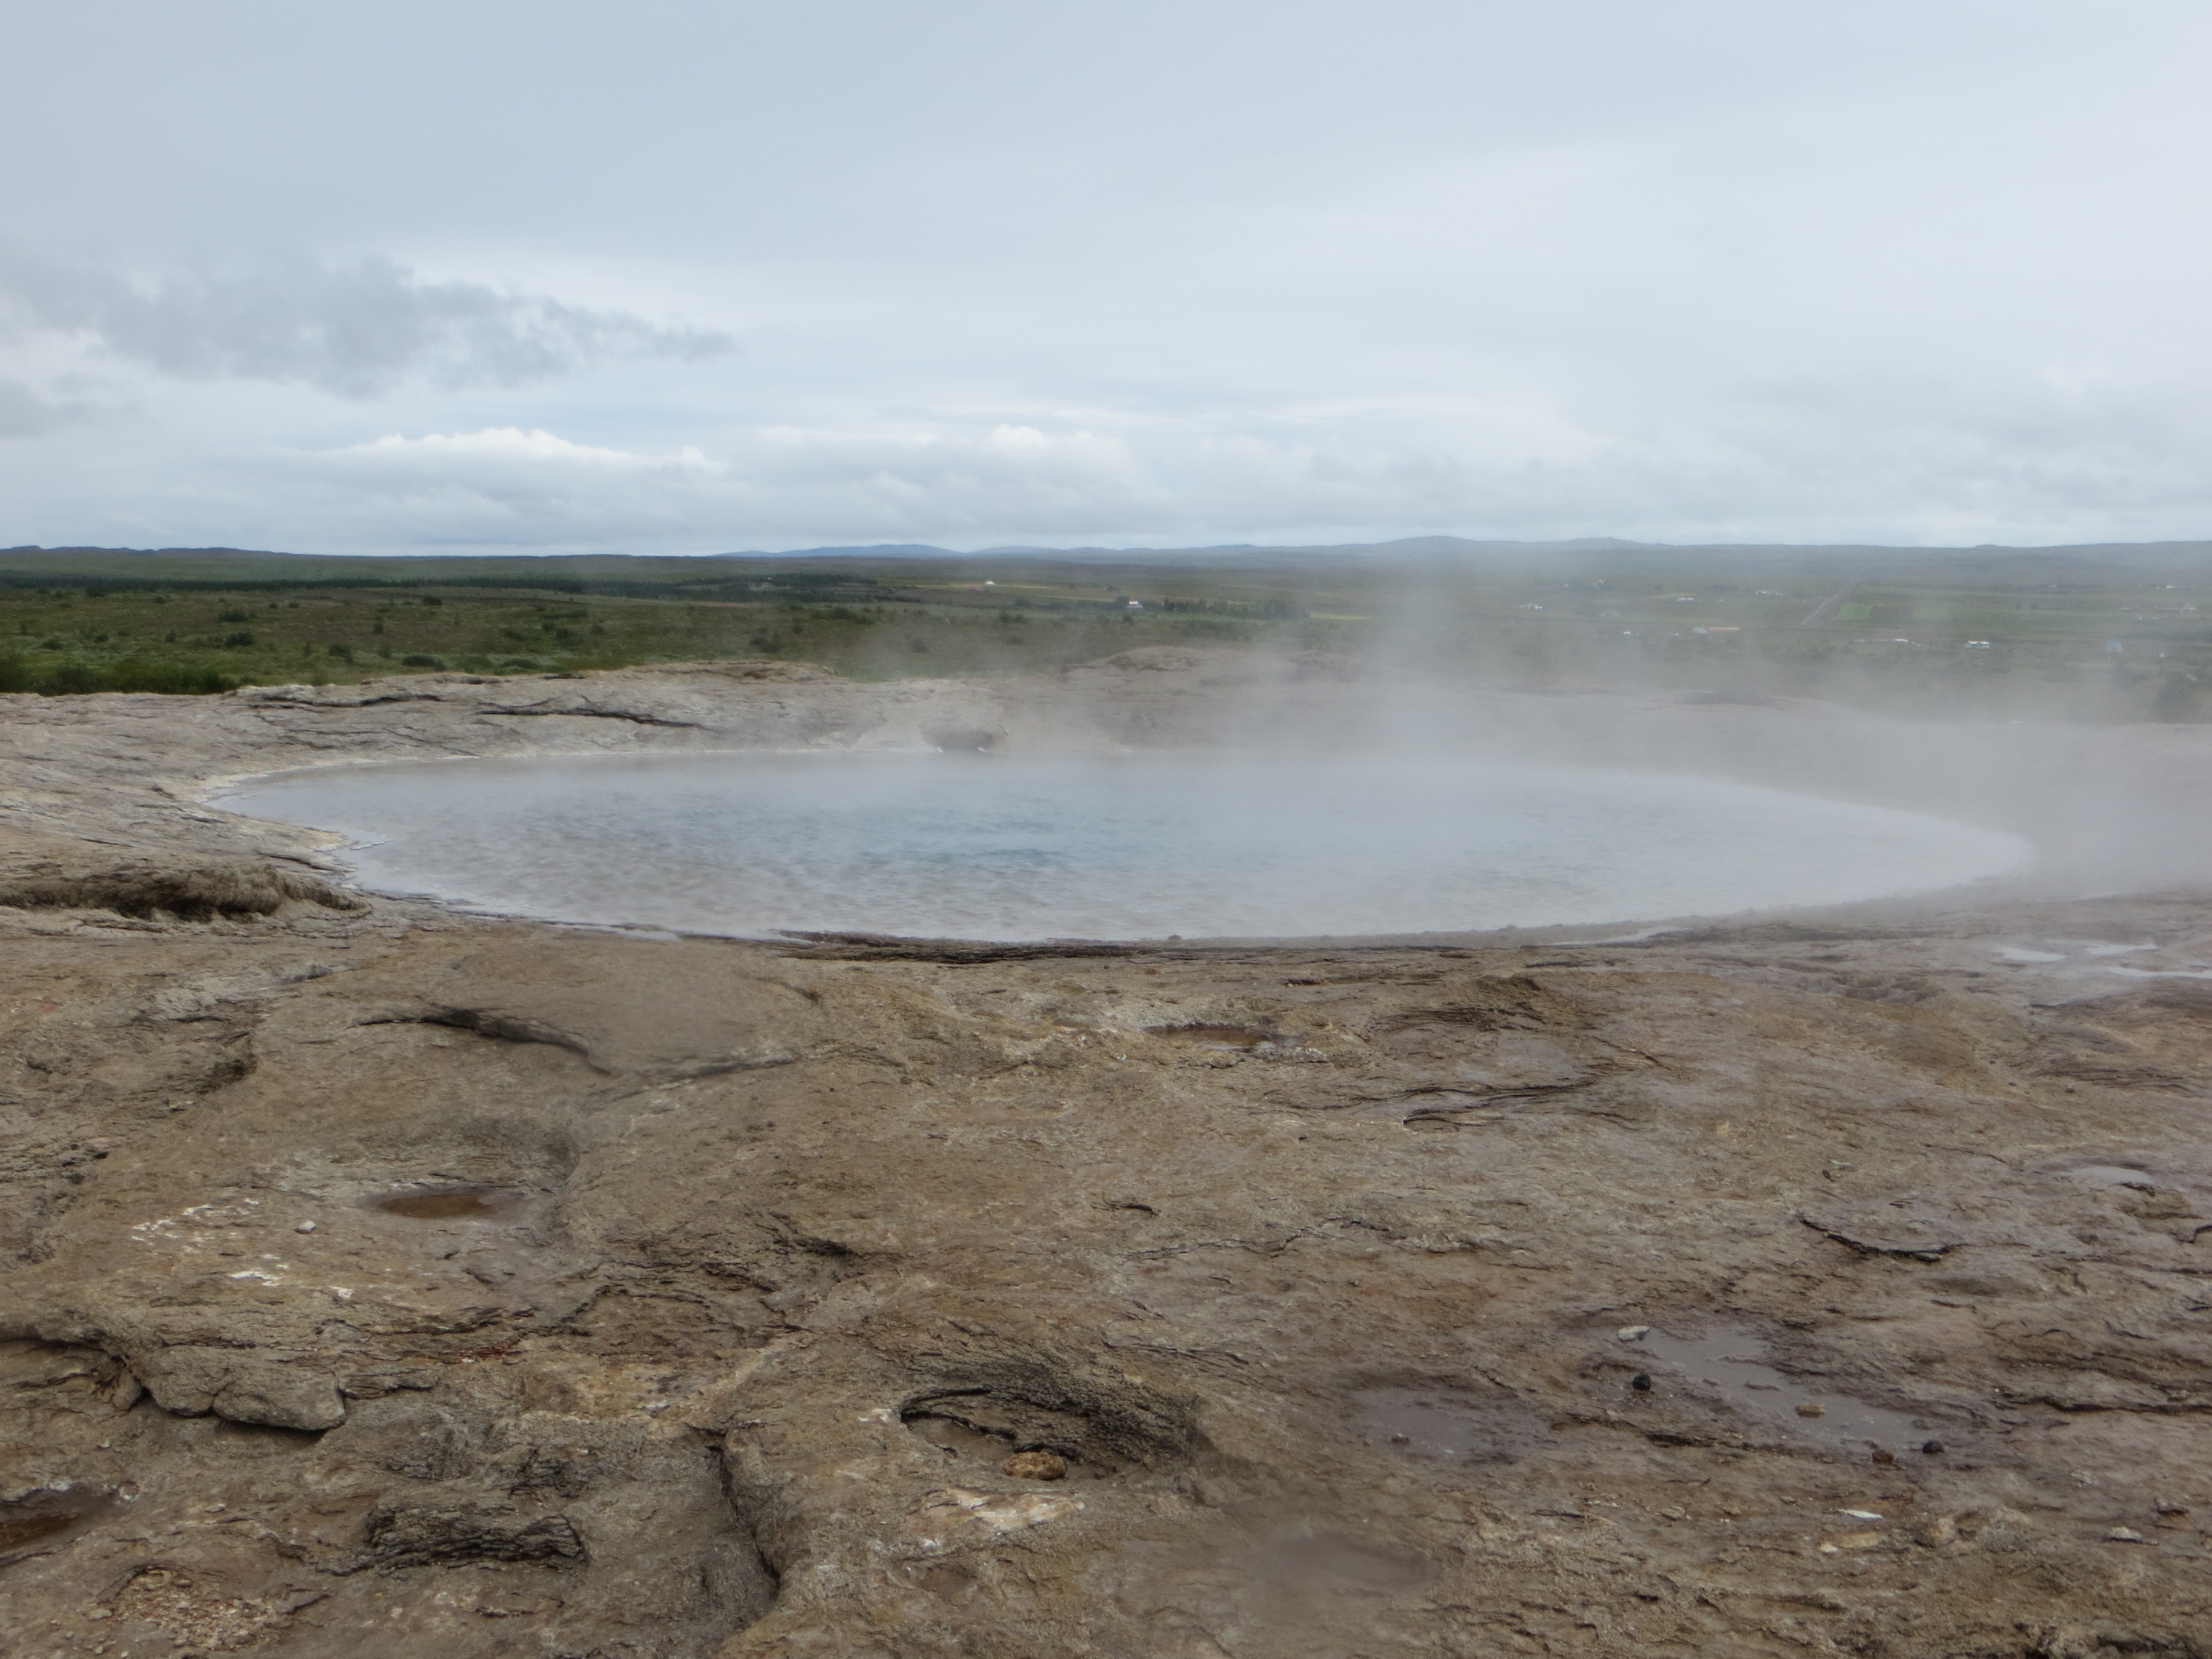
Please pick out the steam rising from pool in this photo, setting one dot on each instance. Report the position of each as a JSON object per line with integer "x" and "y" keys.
{"x": 1126, "y": 847}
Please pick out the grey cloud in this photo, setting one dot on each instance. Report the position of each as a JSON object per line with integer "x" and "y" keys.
{"x": 1709, "y": 270}
{"x": 25, "y": 412}
{"x": 357, "y": 329}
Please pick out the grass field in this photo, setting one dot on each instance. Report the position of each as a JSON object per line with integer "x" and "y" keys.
{"x": 2099, "y": 633}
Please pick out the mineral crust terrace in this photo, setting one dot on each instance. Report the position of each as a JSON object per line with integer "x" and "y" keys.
{"x": 384, "y": 1280}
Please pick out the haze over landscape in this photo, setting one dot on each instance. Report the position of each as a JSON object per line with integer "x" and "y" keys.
{"x": 687, "y": 278}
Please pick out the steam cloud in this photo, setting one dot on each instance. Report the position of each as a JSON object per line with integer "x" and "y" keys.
{"x": 357, "y": 329}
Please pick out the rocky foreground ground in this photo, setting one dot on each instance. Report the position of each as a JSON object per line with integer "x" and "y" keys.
{"x": 385, "y": 1281}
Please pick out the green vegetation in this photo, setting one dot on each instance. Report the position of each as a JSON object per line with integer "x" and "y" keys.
{"x": 93, "y": 620}
{"x": 65, "y": 678}
{"x": 2091, "y": 633}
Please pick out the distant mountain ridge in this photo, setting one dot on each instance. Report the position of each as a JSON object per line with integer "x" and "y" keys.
{"x": 2165, "y": 553}
{"x": 1241, "y": 549}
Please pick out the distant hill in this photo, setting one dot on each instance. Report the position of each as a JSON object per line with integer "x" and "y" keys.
{"x": 2156, "y": 554}
{"x": 1254, "y": 552}
{"x": 149, "y": 552}
{"x": 878, "y": 550}
{"x": 32, "y": 565}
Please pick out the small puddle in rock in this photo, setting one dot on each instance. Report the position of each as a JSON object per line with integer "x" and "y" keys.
{"x": 35, "y": 1519}
{"x": 1451, "y": 1424}
{"x": 1733, "y": 1364}
{"x": 1244, "y": 1038}
{"x": 451, "y": 1204}
{"x": 1323, "y": 1559}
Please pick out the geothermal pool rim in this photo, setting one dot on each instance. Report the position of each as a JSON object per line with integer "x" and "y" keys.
{"x": 1235, "y": 846}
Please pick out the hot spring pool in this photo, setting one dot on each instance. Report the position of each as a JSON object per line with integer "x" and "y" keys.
{"x": 1137, "y": 846}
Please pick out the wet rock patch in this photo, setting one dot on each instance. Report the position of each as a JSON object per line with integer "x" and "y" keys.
{"x": 1232, "y": 1039}
{"x": 1731, "y": 1369}
{"x": 1449, "y": 1425}
{"x": 1313, "y": 1559}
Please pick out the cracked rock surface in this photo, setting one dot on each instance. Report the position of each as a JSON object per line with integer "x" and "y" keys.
{"x": 384, "y": 1280}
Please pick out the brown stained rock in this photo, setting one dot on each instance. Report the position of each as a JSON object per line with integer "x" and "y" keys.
{"x": 389, "y": 1279}
{"x": 440, "y": 1536}
{"x": 187, "y": 892}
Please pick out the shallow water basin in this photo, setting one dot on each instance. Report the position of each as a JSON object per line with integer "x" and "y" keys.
{"x": 1128, "y": 845}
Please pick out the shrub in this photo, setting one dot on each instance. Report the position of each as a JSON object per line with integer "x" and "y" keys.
{"x": 71, "y": 679}
{"x": 171, "y": 679}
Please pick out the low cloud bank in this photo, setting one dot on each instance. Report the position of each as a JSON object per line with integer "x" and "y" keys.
{"x": 2040, "y": 464}
{"x": 357, "y": 330}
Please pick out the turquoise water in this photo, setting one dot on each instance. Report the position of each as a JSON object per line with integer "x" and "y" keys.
{"x": 1125, "y": 847}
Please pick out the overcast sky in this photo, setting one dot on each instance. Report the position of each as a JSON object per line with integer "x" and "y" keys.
{"x": 686, "y": 277}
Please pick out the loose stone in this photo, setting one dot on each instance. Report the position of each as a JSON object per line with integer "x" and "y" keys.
{"x": 1036, "y": 1466}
